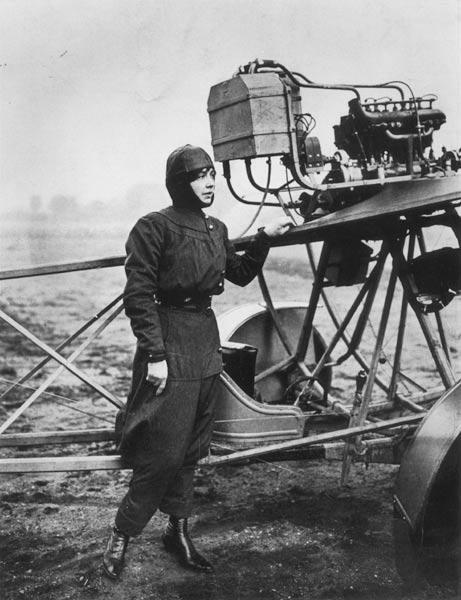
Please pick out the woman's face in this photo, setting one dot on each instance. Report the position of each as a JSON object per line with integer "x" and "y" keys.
{"x": 203, "y": 186}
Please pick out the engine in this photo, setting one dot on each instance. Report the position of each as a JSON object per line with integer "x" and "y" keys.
{"x": 258, "y": 113}
{"x": 377, "y": 132}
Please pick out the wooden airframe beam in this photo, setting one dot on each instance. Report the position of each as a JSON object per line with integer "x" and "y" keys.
{"x": 94, "y": 463}
{"x": 53, "y": 376}
{"x": 62, "y": 345}
{"x": 381, "y": 450}
{"x": 60, "y": 359}
{"x": 281, "y": 333}
{"x": 52, "y": 269}
{"x": 56, "y": 464}
{"x": 40, "y": 438}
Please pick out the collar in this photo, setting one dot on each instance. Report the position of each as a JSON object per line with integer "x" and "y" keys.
{"x": 192, "y": 218}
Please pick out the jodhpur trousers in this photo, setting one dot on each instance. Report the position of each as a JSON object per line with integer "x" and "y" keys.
{"x": 164, "y": 436}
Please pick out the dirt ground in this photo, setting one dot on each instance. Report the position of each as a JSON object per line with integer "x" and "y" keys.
{"x": 283, "y": 531}
{"x": 275, "y": 531}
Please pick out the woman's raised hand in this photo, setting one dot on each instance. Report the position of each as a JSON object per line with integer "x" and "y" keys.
{"x": 278, "y": 227}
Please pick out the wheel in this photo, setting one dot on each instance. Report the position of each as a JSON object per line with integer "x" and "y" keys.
{"x": 427, "y": 532}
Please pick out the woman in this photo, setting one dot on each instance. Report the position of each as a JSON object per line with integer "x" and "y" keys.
{"x": 177, "y": 260}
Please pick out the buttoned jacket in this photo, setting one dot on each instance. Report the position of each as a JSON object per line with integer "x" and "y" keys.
{"x": 175, "y": 254}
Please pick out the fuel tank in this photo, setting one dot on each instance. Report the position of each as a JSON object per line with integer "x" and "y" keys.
{"x": 248, "y": 116}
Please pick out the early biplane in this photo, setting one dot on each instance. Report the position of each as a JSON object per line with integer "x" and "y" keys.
{"x": 370, "y": 206}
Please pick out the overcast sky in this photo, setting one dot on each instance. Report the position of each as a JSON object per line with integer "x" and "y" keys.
{"x": 94, "y": 95}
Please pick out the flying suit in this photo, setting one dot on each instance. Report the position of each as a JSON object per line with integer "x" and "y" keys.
{"x": 177, "y": 258}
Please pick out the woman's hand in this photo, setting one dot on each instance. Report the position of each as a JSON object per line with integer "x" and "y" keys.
{"x": 157, "y": 373}
{"x": 278, "y": 227}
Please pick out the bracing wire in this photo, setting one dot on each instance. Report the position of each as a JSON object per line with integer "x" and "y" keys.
{"x": 261, "y": 460}
{"x": 63, "y": 400}
{"x": 66, "y": 342}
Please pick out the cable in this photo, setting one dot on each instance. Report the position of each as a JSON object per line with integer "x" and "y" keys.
{"x": 227, "y": 177}
{"x": 288, "y": 187}
{"x": 260, "y": 207}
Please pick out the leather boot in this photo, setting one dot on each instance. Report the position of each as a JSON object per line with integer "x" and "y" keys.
{"x": 177, "y": 541}
{"x": 114, "y": 556}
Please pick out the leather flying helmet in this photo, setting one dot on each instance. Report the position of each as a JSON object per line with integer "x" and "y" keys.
{"x": 182, "y": 167}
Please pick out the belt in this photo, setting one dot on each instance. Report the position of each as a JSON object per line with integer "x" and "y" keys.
{"x": 202, "y": 304}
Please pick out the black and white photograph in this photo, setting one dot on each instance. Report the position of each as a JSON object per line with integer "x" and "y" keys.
{"x": 230, "y": 313}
